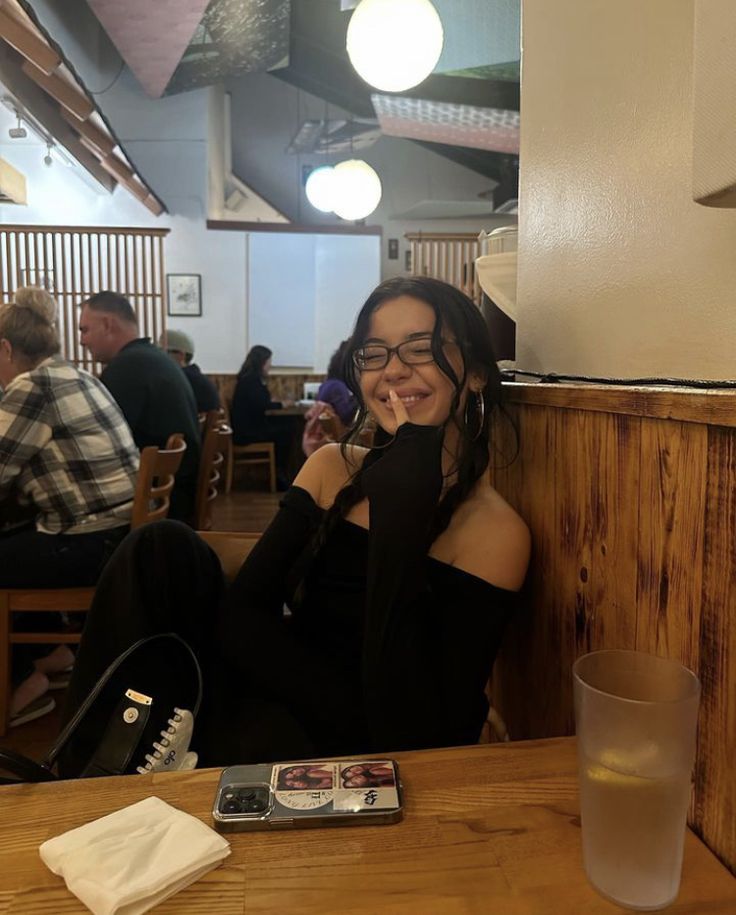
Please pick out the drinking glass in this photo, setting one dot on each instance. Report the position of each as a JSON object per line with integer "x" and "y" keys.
{"x": 636, "y": 717}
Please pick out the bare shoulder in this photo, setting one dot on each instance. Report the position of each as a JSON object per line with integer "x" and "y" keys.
{"x": 327, "y": 470}
{"x": 491, "y": 541}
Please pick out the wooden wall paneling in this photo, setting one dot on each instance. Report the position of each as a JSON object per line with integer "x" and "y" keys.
{"x": 17, "y": 260}
{"x": 715, "y": 782}
{"x": 633, "y": 519}
{"x": 672, "y": 499}
{"x": 611, "y": 446}
{"x": 524, "y": 693}
{"x": 161, "y": 299}
{"x": 74, "y": 262}
{"x": 5, "y": 266}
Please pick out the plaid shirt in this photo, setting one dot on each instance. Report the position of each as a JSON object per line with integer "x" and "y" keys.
{"x": 67, "y": 448}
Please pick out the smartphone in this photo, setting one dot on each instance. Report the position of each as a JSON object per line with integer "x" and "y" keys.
{"x": 299, "y": 795}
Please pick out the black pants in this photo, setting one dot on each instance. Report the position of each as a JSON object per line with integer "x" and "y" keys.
{"x": 31, "y": 559}
{"x": 164, "y": 578}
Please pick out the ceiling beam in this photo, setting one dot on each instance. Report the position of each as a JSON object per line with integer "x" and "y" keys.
{"x": 101, "y": 141}
{"x": 27, "y": 43}
{"x": 59, "y": 89}
{"x": 43, "y": 109}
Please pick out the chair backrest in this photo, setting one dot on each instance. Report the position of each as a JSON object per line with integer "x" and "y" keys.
{"x": 212, "y": 418}
{"x": 211, "y": 466}
{"x": 156, "y": 480}
{"x": 232, "y": 548}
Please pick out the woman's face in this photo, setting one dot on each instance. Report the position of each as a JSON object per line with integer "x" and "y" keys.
{"x": 424, "y": 389}
{"x": 266, "y": 367}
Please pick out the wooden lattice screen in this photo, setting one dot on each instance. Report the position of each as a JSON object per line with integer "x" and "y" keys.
{"x": 73, "y": 262}
{"x": 447, "y": 257}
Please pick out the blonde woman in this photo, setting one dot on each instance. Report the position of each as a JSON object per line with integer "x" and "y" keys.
{"x": 67, "y": 453}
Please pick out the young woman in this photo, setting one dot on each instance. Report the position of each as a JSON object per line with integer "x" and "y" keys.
{"x": 251, "y": 399}
{"x": 400, "y": 564}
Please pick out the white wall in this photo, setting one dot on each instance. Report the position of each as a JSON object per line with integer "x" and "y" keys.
{"x": 620, "y": 272}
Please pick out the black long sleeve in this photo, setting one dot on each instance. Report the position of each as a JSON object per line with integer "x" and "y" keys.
{"x": 431, "y": 633}
{"x": 258, "y": 641}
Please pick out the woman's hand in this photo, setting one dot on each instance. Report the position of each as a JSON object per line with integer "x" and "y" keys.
{"x": 409, "y": 474}
{"x": 399, "y": 408}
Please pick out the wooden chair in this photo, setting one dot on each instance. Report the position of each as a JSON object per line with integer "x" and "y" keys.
{"x": 259, "y": 453}
{"x": 232, "y": 548}
{"x": 150, "y": 503}
{"x": 217, "y": 440}
{"x": 252, "y": 455}
{"x": 156, "y": 480}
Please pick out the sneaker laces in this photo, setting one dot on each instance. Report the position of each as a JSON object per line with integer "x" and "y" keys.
{"x": 170, "y": 753}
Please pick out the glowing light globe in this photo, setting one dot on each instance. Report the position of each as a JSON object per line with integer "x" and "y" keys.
{"x": 320, "y": 188}
{"x": 357, "y": 189}
{"x": 394, "y": 44}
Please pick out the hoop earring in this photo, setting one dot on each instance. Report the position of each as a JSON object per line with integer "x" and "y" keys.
{"x": 480, "y": 408}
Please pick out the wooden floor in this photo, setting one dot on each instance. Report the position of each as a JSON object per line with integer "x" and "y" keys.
{"x": 238, "y": 511}
{"x": 244, "y": 511}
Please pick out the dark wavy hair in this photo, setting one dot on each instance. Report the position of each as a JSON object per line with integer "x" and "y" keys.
{"x": 456, "y": 315}
{"x": 336, "y": 368}
{"x": 257, "y": 357}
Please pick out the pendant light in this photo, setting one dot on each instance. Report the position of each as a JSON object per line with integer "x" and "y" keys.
{"x": 356, "y": 188}
{"x": 394, "y": 44}
{"x": 320, "y": 188}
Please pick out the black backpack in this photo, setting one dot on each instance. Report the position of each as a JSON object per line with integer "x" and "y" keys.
{"x": 122, "y": 716}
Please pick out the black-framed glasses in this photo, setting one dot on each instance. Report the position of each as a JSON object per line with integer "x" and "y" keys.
{"x": 374, "y": 356}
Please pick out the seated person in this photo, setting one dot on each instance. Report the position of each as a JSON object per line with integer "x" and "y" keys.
{"x": 67, "y": 452}
{"x": 334, "y": 391}
{"x": 180, "y": 347}
{"x": 334, "y": 400}
{"x": 400, "y": 565}
{"x": 155, "y": 398}
{"x": 248, "y": 412}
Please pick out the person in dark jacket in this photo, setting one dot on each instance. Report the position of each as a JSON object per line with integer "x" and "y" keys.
{"x": 180, "y": 347}
{"x": 251, "y": 400}
{"x": 155, "y": 398}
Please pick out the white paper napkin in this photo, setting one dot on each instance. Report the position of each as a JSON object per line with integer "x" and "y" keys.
{"x": 131, "y": 860}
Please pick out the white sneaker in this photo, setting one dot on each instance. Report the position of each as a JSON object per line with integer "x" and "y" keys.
{"x": 170, "y": 752}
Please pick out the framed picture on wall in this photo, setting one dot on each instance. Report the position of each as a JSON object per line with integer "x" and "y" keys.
{"x": 184, "y": 294}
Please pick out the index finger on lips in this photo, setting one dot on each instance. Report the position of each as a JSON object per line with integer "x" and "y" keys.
{"x": 398, "y": 407}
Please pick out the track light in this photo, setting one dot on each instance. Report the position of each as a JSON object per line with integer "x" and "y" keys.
{"x": 17, "y": 133}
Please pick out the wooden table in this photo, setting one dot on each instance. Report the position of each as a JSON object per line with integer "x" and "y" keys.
{"x": 294, "y": 410}
{"x": 488, "y": 829}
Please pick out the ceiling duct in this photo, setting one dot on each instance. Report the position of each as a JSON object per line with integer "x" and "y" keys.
{"x": 334, "y": 135}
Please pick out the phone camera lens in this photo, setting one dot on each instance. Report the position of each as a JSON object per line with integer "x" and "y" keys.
{"x": 247, "y": 795}
{"x": 232, "y": 806}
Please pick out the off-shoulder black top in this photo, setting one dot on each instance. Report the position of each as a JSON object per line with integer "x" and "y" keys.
{"x": 386, "y": 648}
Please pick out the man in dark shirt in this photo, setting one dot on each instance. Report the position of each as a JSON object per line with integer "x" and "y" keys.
{"x": 149, "y": 388}
{"x": 180, "y": 347}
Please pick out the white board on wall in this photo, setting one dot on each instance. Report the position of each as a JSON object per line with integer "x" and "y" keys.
{"x": 304, "y": 292}
{"x": 348, "y": 267}
{"x": 281, "y": 285}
